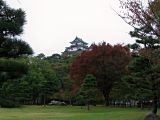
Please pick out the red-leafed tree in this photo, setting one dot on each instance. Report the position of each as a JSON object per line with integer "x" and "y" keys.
{"x": 107, "y": 63}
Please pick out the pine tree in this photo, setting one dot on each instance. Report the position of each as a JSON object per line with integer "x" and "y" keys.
{"x": 137, "y": 82}
{"x": 145, "y": 67}
{"x": 89, "y": 90}
{"x": 11, "y": 48}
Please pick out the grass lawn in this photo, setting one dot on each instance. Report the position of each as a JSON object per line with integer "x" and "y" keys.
{"x": 71, "y": 113}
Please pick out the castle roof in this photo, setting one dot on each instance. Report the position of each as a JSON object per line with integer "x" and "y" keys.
{"x": 78, "y": 40}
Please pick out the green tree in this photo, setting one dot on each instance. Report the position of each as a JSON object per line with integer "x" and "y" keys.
{"x": 12, "y": 89}
{"x": 53, "y": 57}
{"x": 41, "y": 56}
{"x": 145, "y": 18}
{"x": 138, "y": 81}
{"x": 11, "y": 48}
{"x": 34, "y": 80}
{"x": 51, "y": 83}
{"x": 80, "y": 100}
{"x": 47, "y": 82}
{"x": 89, "y": 90}
{"x": 12, "y": 22}
{"x": 62, "y": 69}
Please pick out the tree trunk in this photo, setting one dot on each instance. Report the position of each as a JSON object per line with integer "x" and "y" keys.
{"x": 130, "y": 105}
{"x": 106, "y": 97}
{"x": 70, "y": 101}
{"x": 134, "y": 104}
{"x": 125, "y": 103}
{"x": 114, "y": 103}
{"x": 88, "y": 107}
{"x": 155, "y": 106}
{"x": 44, "y": 100}
{"x": 120, "y": 105}
{"x": 142, "y": 105}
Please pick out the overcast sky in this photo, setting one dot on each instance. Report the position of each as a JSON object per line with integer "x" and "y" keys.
{"x": 52, "y": 24}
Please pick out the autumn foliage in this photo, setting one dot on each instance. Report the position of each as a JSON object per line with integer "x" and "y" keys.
{"x": 142, "y": 14}
{"x": 106, "y": 62}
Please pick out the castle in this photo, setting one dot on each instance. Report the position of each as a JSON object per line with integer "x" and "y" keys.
{"x": 76, "y": 47}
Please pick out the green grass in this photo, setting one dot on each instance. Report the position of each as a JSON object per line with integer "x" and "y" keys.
{"x": 71, "y": 113}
